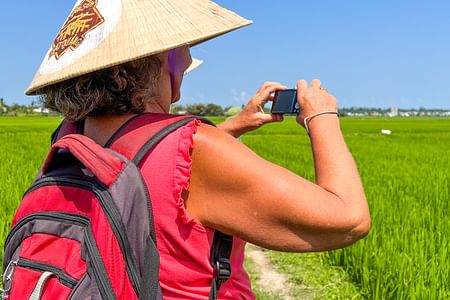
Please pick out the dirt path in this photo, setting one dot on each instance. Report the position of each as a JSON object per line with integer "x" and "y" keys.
{"x": 313, "y": 279}
{"x": 269, "y": 279}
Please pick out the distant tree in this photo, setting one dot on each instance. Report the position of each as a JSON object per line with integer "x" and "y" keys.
{"x": 197, "y": 109}
{"x": 200, "y": 109}
{"x": 177, "y": 109}
{"x": 213, "y": 110}
{"x": 18, "y": 109}
{"x": 234, "y": 110}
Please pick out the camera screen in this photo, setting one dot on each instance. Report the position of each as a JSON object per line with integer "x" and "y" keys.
{"x": 284, "y": 101}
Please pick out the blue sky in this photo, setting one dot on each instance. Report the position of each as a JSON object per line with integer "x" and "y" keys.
{"x": 368, "y": 53}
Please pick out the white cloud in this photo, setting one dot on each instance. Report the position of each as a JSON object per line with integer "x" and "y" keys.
{"x": 239, "y": 97}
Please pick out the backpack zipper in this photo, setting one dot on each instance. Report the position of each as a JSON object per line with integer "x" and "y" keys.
{"x": 50, "y": 216}
{"x": 111, "y": 213}
{"x": 105, "y": 287}
{"x": 63, "y": 277}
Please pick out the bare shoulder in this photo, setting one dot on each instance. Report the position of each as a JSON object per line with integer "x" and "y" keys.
{"x": 214, "y": 148}
{"x": 210, "y": 136}
{"x": 207, "y": 134}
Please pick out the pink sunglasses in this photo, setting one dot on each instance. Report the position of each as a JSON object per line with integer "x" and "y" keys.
{"x": 179, "y": 60}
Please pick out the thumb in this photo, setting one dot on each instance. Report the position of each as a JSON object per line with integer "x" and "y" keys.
{"x": 269, "y": 118}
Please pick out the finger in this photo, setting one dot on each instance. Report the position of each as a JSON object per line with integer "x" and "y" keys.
{"x": 302, "y": 87}
{"x": 334, "y": 100}
{"x": 271, "y": 97}
{"x": 268, "y": 118}
{"x": 277, "y": 118}
{"x": 269, "y": 83}
{"x": 315, "y": 85}
{"x": 266, "y": 85}
{"x": 275, "y": 84}
{"x": 267, "y": 94}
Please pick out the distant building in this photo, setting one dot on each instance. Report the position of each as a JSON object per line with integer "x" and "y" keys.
{"x": 393, "y": 112}
{"x": 41, "y": 110}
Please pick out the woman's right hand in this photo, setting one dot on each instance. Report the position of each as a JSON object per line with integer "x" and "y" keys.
{"x": 313, "y": 99}
{"x": 253, "y": 116}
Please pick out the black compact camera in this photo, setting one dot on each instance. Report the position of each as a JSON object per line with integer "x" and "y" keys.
{"x": 285, "y": 102}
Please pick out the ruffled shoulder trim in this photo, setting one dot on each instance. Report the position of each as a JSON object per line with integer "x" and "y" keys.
{"x": 182, "y": 173}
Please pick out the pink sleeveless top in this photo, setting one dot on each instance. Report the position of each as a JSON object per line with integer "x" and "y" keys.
{"x": 183, "y": 243}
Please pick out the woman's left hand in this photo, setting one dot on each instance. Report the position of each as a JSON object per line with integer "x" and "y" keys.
{"x": 253, "y": 116}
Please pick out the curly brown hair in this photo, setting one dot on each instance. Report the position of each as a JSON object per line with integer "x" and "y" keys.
{"x": 118, "y": 90}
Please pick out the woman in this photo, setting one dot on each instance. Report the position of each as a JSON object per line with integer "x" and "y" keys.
{"x": 219, "y": 183}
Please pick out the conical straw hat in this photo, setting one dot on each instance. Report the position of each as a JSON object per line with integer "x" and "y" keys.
{"x": 194, "y": 65}
{"x": 102, "y": 33}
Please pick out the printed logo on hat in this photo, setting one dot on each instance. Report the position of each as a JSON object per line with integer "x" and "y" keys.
{"x": 84, "y": 18}
{"x": 89, "y": 23}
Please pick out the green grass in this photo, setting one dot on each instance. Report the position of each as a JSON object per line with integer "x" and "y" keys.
{"x": 406, "y": 179}
{"x": 24, "y": 142}
{"x": 312, "y": 278}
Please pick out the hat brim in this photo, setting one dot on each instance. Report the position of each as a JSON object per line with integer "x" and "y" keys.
{"x": 144, "y": 28}
{"x": 194, "y": 65}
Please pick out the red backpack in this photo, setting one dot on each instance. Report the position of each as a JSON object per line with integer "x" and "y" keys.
{"x": 84, "y": 229}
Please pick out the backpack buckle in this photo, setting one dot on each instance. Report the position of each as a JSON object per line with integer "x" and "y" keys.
{"x": 222, "y": 270}
{"x": 7, "y": 276}
{"x": 4, "y": 294}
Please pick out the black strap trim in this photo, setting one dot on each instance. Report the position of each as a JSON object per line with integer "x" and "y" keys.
{"x": 150, "y": 287}
{"x": 206, "y": 121}
{"x": 214, "y": 291}
{"x": 220, "y": 261}
{"x": 56, "y": 133}
{"x": 158, "y": 137}
{"x": 80, "y": 126}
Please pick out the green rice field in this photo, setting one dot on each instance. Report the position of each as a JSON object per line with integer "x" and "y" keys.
{"x": 406, "y": 177}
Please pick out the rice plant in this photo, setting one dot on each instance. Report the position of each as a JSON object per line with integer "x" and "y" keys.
{"x": 406, "y": 179}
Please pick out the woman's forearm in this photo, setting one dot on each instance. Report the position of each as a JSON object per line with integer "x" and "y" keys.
{"x": 335, "y": 168}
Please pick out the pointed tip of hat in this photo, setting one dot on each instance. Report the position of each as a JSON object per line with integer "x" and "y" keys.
{"x": 194, "y": 65}
{"x": 119, "y": 31}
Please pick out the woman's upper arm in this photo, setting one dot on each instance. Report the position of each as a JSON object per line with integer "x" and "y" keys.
{"x": 234, "y": 190}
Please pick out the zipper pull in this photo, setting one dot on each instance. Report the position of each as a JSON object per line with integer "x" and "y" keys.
{"x": 7, "y": 276}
